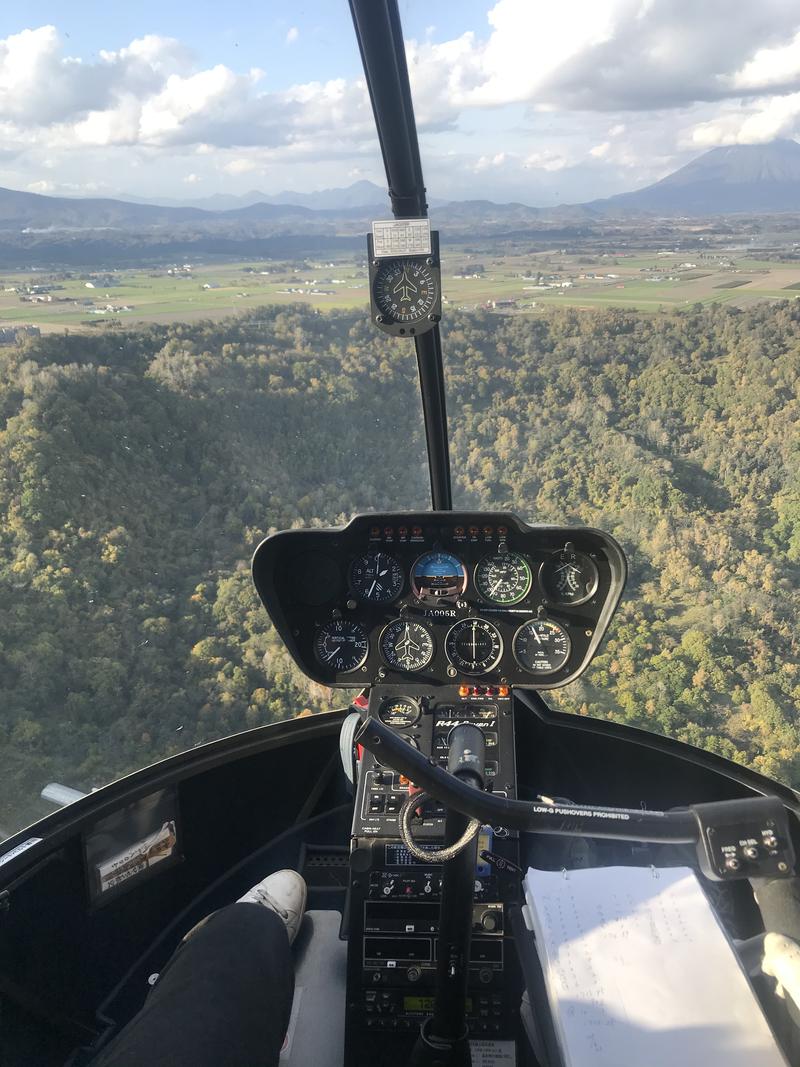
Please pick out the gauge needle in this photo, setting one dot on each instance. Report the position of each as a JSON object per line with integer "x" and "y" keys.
{"x": 372, "y": 589}
{"x": 495, "y": 587}
{"x": 474, "y": 640}
{"x": 536, "y": 636}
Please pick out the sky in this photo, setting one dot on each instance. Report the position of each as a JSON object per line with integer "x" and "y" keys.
{"x": 523, "y": 100}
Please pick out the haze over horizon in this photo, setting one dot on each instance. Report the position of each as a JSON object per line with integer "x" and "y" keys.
{"x": 514, "y": 102}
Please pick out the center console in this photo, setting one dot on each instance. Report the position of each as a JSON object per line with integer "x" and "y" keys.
{"x": 395, "y": 898}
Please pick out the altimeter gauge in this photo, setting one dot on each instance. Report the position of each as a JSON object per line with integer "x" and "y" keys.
{"x": 569, "y": 577}
{"x": 541, "y": 646}
{"x": 341, "y": 645}
{"x": 407, "y": 646}
{"x": 474, "y": 646}
{"x": 504, "y": 578}
{"x": 406, "y": 291}
{"x": 376, "y": 577}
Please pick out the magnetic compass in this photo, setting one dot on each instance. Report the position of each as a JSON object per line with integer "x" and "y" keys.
{"x": 406, "y": 291}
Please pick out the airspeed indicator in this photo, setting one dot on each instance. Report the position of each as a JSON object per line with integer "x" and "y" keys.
{"x": 504, "y": 578}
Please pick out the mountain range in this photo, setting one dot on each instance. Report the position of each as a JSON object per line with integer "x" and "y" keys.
{"x": 750, "y": 179}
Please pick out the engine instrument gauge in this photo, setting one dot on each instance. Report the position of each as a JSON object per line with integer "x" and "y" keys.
{"x": 399, "y": 712}
{"x": 407, "y": 646}
{"x": 474, "y": 646}
{"x": 504, "y": 578}
{"x": 341, "y": 645}
{"x": 569, "y": 577}
{"x": 376, "y": 577}
{"x": 541, "y": 646}
{"x": 437, "y": 576}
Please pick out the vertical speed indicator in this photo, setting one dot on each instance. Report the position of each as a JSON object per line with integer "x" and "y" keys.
{"x": 341, "y": 645}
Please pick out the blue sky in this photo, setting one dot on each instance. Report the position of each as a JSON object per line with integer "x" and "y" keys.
{"x": 515, "y": 99}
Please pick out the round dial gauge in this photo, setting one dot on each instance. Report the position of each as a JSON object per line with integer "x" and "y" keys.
{"x": 407, "y": 646}
{"x": 504, "y": 578}
{"x": 376, "y": 576}
{"x": 541, "y": 646}
{"x": 399, "y": 712}
{"x": 474, "y": 646}
{"x": 569, "y": 577}
{"x": 438, "y": 575}
{"x": 341, "y": 645}
{"x": 405, "y": 290}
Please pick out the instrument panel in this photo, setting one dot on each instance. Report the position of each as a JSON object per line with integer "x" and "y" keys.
{"x": 441, "y": 597}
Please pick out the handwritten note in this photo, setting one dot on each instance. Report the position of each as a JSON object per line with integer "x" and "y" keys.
{"x": 640, "y": 972}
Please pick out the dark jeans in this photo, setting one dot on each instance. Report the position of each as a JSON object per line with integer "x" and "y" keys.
{"x": 223, "y": 999}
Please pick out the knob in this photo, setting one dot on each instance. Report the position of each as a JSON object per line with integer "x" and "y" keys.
{"x": 484, "y": 976}
{"x": 489, "y": 921}
{"x": 750, "y": 852}
{"x": 413, "y": 974}
{"x": 732, "y": 863}
{"x": 770, "y": 841}
{"x": 427, "y": 888}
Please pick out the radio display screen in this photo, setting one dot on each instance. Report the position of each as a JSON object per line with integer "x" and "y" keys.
{"x": 425, "y": 1004}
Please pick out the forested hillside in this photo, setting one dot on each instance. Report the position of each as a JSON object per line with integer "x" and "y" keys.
{"x": 138, "y": 470}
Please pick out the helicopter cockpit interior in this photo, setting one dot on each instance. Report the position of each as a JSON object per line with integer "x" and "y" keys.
{"x": 427, "y": 815}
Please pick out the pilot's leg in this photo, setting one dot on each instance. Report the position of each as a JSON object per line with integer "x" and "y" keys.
{"x": 225, "y": 996}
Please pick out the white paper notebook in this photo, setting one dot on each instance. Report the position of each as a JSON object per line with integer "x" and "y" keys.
{"x": 640, "y": 973}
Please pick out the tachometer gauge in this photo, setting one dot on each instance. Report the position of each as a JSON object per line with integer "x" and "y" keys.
{"x": 377, "y": 577}
{"x": 407, "y": 646}
{"x": 569, "y": 577}
{"x": 437, "y": 576}
{"x": 474, "y": 646}
{"x": 504, "y": 578}
{"x": 541, "y": 646}
{"x": 399, "y": 712}
{"x": 341, "y": 645}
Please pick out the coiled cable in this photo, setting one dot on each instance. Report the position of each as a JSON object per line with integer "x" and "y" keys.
{"x": 427, "y": 855}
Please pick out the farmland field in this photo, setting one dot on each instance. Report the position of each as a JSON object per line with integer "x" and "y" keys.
{"x": 55, "y": 301}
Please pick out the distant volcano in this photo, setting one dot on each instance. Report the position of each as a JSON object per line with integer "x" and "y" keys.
{"x": 741, "y": 178}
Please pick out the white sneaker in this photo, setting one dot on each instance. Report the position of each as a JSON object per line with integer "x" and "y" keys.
{"x": 284, "y": 893}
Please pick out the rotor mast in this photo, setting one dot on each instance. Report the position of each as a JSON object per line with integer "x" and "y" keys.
{"x": 380, "y": 41}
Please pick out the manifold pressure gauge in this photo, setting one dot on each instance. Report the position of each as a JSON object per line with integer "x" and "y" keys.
{"x": 405, "y": 290}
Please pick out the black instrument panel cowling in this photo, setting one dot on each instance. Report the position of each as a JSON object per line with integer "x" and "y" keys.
{"x": 304, "y": 580}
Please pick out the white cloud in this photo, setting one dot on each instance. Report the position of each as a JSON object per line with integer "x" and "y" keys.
{"x": 192, "y": 179}
{"x": 40, "y": 187}
{"x": 488, "y": 162}
{"x": 622, "y": 87}
{"x": 548, "y": 160}
{"x": 240, "y": 166}
{"x": 770, "y": 67}
{"x": 766, "y": 119}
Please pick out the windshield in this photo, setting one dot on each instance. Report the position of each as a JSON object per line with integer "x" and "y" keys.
{"x": 188, "y": 360}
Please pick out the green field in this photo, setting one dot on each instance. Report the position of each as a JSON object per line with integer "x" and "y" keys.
{"x": 216, "y": 290}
